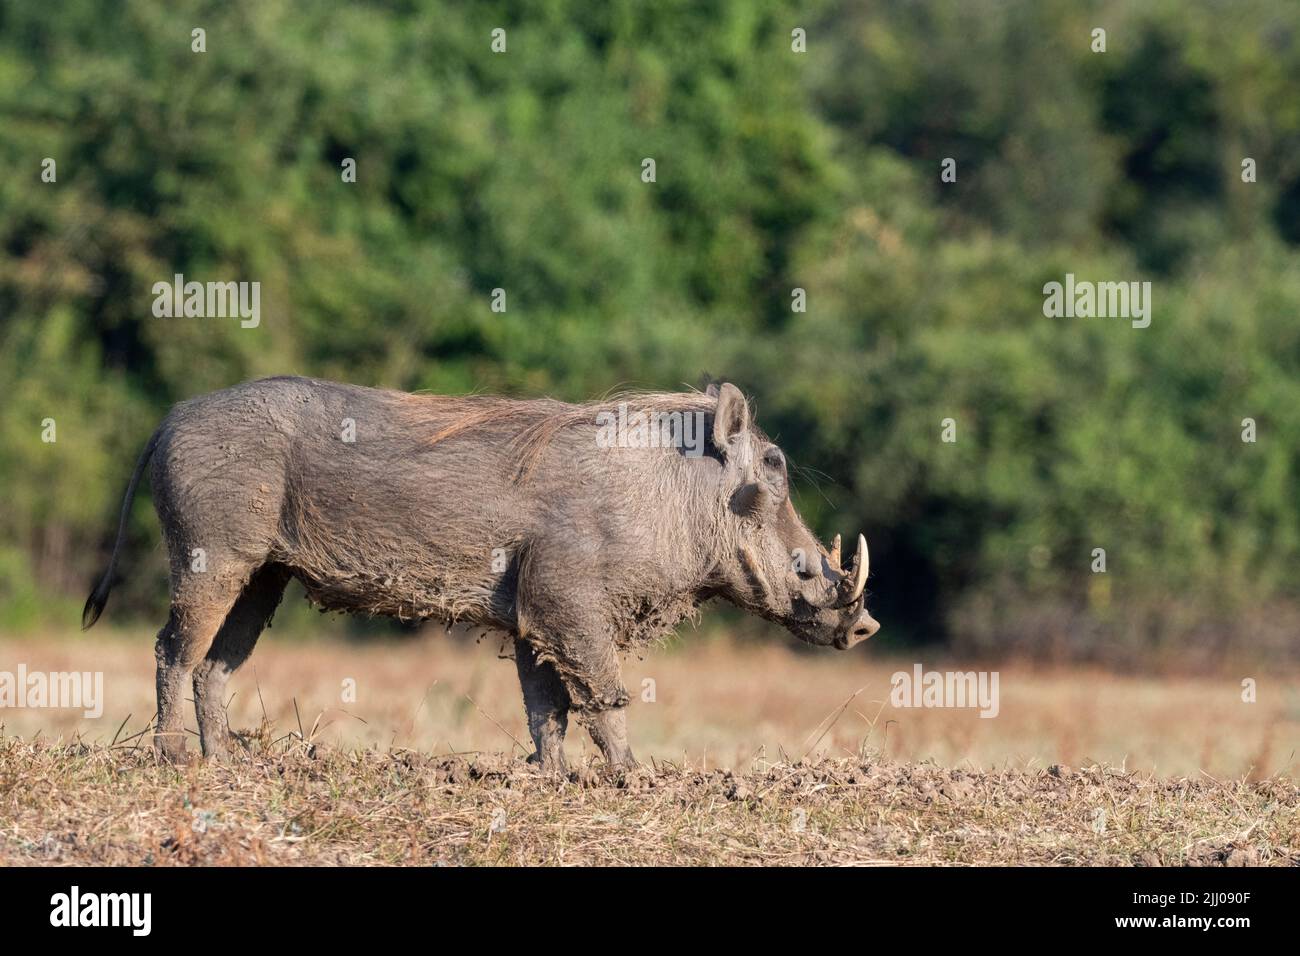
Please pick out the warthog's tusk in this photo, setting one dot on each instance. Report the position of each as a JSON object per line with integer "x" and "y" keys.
{"x": 851, "y": 591}
{"x": 860, "y": 563}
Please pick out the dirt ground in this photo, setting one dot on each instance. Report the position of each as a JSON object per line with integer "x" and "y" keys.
{"x": 411, "y": 752}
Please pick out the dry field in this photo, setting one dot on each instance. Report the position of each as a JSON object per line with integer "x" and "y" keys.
{"x": 752, "y": 754}
{"x": 716, "y": 705}
{"x": 294, "y": 803}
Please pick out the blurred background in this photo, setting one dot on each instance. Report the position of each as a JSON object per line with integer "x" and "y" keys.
{"x": 775, "y": 170}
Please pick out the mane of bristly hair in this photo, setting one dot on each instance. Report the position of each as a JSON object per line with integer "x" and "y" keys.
{"x": 539, "y": 420}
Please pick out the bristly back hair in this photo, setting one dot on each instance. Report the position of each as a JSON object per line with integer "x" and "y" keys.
{"x": 536, "y": 421}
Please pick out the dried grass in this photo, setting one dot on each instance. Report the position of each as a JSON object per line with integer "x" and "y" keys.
{"x": 822, "y": 770}
{"x": 299, "y": 803}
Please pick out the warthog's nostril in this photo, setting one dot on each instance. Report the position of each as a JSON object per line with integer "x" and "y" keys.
{"x": 863, "y": 630}
{"x": 859, "y": 632}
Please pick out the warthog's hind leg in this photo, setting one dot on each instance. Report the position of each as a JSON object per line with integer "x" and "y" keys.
{"x": 232, "y": 646}
{"x": 169, "y": 729}
{"x": 547, "y": 704}
{"x": 189, "y": 633}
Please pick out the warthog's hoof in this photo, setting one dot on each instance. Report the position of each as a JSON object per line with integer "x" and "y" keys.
{"x": 551, "y": 763}
{"x": 172, "y": 750}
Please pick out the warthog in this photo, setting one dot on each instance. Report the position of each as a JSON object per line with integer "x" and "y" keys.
{"x": 520, "y": 516}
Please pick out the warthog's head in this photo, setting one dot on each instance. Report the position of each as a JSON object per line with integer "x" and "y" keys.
{"x": 771, "y": 563}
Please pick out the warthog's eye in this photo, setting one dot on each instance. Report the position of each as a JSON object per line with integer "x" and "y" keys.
{"x": 774, "y": 471}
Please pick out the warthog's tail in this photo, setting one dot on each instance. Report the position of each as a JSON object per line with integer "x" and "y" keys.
{"x": 99, "y": 596}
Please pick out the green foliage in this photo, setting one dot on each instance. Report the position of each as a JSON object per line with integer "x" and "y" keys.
{"x": 775, "y": 170}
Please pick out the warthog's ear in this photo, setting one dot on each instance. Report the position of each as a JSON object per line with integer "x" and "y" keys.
{"x": 731, "y": 418}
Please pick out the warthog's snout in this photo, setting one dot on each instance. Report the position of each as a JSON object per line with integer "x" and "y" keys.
{"x": 861, "y": 628}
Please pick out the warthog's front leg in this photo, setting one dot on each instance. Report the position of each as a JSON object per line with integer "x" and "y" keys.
{"x": 609, "y": 729}
{"x": 547, "y": 704}
{"x": 586, "y": 662}
{"x": 599, "y": 700}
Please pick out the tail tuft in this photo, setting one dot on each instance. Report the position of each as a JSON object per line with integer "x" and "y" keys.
{"x": 95, "y": 604}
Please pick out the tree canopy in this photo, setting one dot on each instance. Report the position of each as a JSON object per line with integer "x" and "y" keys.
{"x": 776, "y": 169}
